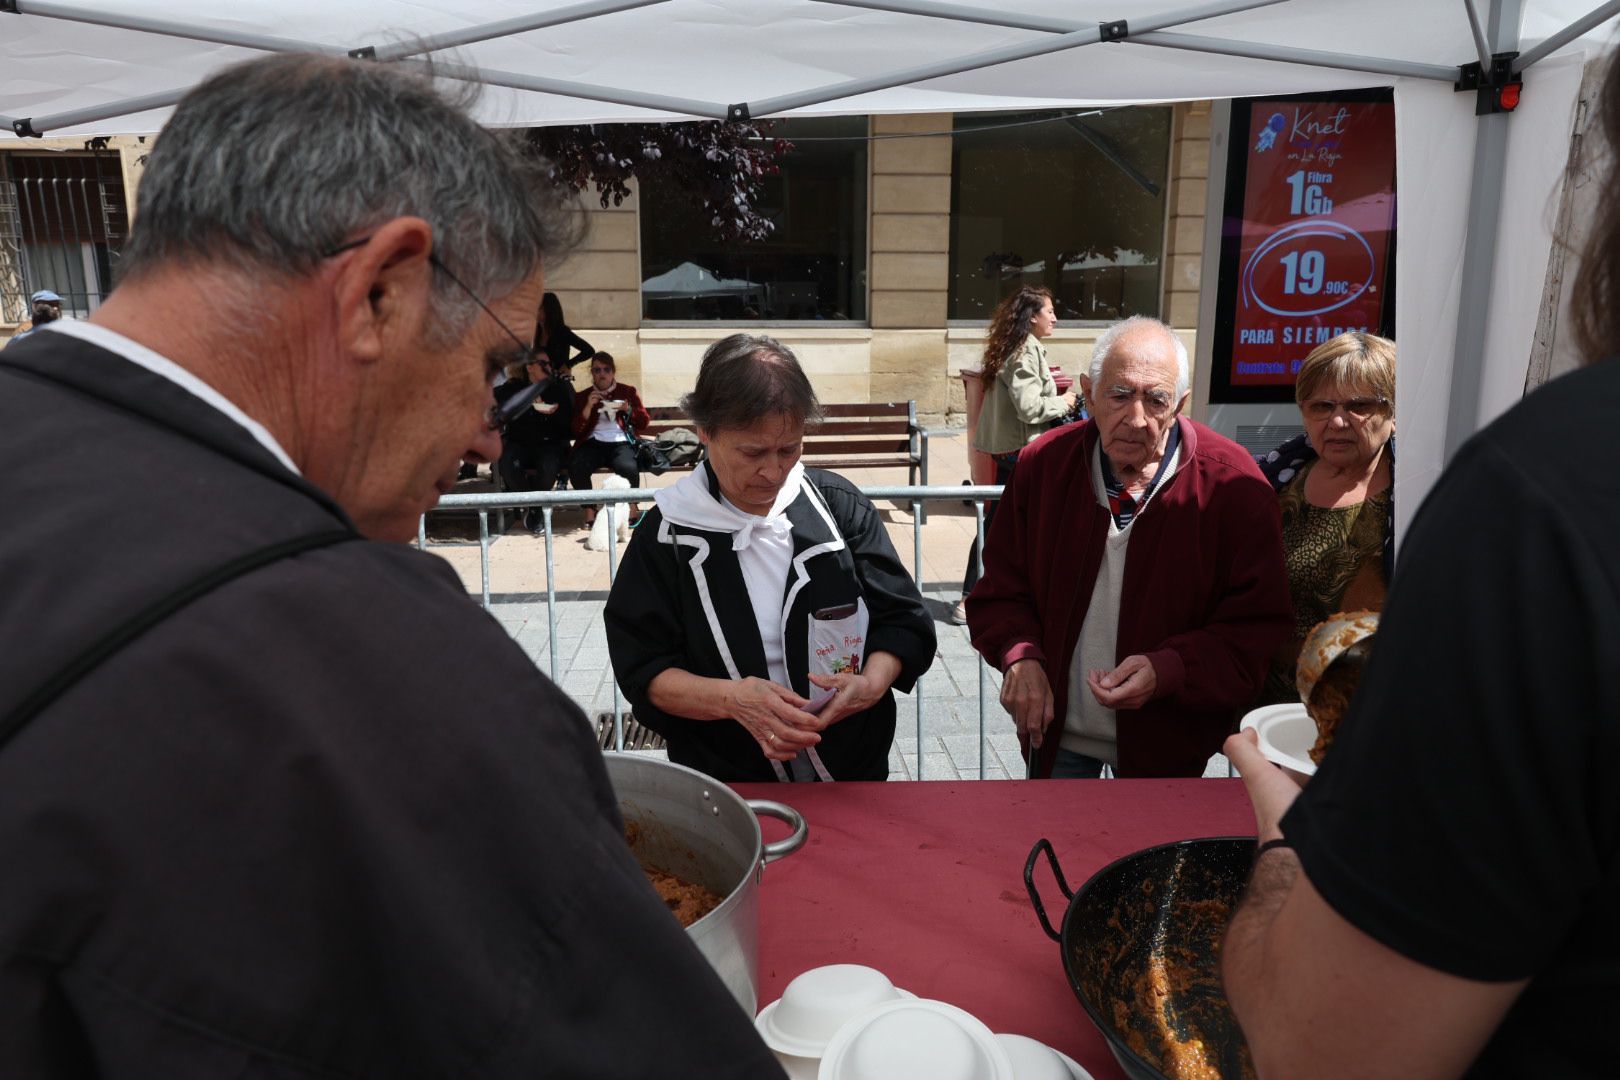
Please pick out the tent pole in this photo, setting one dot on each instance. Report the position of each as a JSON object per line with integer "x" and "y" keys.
{"x": 989, "y": 58}
{"x": 1566, "y": 35}
{"x": 1479, "y": 251}
{"x": 1480, "y": 47}
{"x": 267, "y": 43}
{"x": 1190, "y": 42}
{"x": 1012, "y": 20}
{"x": 39, "y": 125}
{"x": 1285, "y": 54}
{"x": 214, "y": 36}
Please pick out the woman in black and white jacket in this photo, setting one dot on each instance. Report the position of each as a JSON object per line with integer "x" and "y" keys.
{"x": 761, "y": 615}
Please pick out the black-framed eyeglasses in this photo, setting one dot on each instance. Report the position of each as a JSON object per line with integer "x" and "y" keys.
{"x": 501, "y": 413}
{"x": 1359, "y": 408}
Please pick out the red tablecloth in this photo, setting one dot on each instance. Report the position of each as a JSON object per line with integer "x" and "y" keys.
{"x": 925, "y": 882}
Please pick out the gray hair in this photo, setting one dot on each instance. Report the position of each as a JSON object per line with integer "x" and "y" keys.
{"x": 1110, "y": 337}
{"x": 271, "y": 164}
{"x": 745, "y": 378}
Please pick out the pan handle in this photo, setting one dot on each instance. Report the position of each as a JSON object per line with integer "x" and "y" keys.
{"x": 1043, "y": 844}
{"x": 782, "y": 812}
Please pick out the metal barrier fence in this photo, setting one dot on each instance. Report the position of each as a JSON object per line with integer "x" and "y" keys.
{"x": 612, "y": 500}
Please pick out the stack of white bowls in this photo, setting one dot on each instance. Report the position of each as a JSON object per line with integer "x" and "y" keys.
{"x": 849, "y": 1022}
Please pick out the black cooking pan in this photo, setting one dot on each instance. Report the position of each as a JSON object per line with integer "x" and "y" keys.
{"x": 1141, "y": 947}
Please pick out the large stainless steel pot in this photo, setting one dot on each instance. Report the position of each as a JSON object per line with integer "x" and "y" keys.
{"x": 693, "y": 826}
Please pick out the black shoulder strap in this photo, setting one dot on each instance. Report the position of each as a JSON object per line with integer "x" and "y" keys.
{"x": 116, "y": 639}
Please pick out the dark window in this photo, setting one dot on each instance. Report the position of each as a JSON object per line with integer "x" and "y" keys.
{"x": 812, "y": 266}
{"x": 63, "y": 220}
{"x": 1071, "y": 200}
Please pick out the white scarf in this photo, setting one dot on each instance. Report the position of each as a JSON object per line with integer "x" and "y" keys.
{"x": 690, "y": 503}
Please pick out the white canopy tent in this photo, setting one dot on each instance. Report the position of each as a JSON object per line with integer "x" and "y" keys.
{"x": 689, "y": 281}
{"x": 1477, "y": 195}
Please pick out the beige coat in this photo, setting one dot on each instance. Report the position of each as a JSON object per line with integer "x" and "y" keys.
{"x": 1019, "y": 404}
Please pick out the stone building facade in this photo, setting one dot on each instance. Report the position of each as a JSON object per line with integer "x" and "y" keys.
{"x": 908, "y": 347}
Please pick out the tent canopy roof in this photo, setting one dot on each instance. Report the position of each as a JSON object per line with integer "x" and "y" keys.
{"x": 1466, "y": 320}
{"x": 699, "y": 57}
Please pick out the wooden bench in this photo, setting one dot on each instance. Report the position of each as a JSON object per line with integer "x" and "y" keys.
{"x": 879, "y": 435}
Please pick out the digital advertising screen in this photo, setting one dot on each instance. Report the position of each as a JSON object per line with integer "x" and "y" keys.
{"x": 1307, "y": 238}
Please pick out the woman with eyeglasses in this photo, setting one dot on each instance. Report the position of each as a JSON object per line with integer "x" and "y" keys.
{"x": 1021, "y": 398}
{"x": 1335, "y": 486}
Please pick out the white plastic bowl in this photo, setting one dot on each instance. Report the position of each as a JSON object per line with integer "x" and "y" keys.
{"x": 1034, "y": 1060}
{"x": 798, "y": 1068}
{"x": 817, "y": 1003}
{"x": 915, "y": 1040}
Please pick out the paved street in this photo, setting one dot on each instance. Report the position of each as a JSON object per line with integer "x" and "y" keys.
{"x": 951, "y": 744}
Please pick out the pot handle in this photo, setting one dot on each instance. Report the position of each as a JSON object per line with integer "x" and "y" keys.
{"x": 782, "y": 812}
{"x": 1044, "y": 844}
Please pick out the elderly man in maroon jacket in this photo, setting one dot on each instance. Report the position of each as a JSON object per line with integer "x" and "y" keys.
{"x": 1133, "y": 587}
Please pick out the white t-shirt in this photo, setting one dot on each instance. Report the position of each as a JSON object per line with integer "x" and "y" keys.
{"x": 607, "y": 427}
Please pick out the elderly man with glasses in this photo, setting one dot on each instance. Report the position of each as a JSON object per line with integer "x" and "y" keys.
{"x": 276, "y": 799}
{"x": 1133, "y": 587}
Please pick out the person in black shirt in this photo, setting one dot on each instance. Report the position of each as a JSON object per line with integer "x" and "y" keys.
{"x": 535, "y": 444}
{"x": 1440, "y": 898}
{"x": 554, "y": 340}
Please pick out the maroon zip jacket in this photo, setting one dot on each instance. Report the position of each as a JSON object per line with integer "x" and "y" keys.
{"x": 1205, "y": 596}
{"x": 585, "y": 416}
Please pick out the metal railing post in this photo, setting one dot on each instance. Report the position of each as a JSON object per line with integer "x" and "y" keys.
{"x": 978, "y": 520}
{"x": 917, "y": 562}
{"x": 551, "y": 594}
{"x": 613, "y": 571}
{"x": 483, "y": 554}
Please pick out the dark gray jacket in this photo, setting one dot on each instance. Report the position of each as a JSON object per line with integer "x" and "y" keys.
{"x": 325, "y": 821}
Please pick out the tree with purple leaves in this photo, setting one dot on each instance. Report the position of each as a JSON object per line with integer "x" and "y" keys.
{"x": 719, "y": 164}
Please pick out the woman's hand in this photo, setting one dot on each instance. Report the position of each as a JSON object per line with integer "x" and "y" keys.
{"x": 774, "y": 716}
{"x": 1071, "y": 400}
{"x": 856, "y": 693}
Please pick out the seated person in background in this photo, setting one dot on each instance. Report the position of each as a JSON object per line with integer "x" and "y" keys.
{"x": 535, "y": 444}
{"x": 1133, "y": 581}
{"x": 1335, "y": 486}
{"x": 600, "y": 417}
{"x": 761, "y": 616}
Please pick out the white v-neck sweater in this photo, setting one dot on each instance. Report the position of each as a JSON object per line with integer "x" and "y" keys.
{"x": 1089, "y": 727}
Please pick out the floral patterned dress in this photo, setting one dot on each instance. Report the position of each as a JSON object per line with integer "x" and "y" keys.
{"x": 1337, "y": 559}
